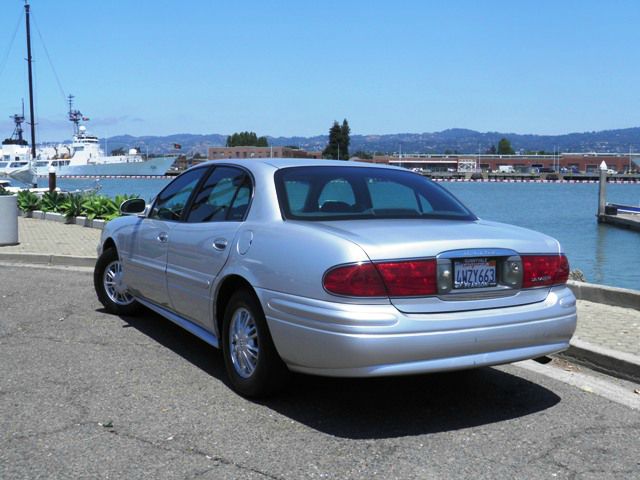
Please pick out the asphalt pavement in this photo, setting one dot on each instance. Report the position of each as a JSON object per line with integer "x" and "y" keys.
{"x": 85, "y": 394}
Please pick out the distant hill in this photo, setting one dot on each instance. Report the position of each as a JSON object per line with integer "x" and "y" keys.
{"x": 453, "y": 140}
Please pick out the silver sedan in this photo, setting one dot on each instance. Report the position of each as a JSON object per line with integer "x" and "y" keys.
{"x": 334, "y": 268}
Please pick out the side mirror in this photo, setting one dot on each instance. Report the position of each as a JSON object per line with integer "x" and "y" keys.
{"x": 133, "y": 206}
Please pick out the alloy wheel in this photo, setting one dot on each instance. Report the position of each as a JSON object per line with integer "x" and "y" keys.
{"x": 113, "y": 286}
{"x": 243, "y": 340}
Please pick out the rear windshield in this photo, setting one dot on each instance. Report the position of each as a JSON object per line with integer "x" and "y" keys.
{"x": 352, "y": 193}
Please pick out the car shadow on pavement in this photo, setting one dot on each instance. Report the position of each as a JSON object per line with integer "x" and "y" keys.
{"x": 392, "y": 407}
{"x": 177, "y": 339}
{"x": 375, "y": 408}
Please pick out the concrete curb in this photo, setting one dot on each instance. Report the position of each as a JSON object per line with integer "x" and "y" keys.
{"x": 97, "y": 224}
{"x": 47, "y": 259}
{"x": 617, "y": 297}
{"x": 605, "y": 360}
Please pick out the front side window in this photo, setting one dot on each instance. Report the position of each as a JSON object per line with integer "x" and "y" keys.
{"x": 224, "y": 196}
{"x": 354, "y": 193}
{"x": 173, "y": 199}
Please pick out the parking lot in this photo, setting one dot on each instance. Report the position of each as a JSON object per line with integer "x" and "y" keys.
{"x": 84, "y": 394}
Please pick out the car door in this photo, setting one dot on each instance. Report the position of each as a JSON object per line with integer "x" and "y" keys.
{"x": 144, "y": 270}
{"x": 199, "y": 246}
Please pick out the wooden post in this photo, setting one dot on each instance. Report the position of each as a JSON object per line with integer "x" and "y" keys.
{"x": 602, "y": 189}
{"x": 52, "y": 179}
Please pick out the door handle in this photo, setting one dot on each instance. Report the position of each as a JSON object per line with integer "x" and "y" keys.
{"x": 220, "y": 243}
{"x": 162, "y": 237}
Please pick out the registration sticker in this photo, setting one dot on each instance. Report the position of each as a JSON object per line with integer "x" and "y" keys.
{"x": 474, "y": 273}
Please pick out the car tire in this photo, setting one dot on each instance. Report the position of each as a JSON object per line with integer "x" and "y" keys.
{"x": 251, "y": 360}
{"x": 108, "y": 286}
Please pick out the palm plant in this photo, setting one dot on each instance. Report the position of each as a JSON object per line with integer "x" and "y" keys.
{"x": 28, "y": 201}
{"x": 98, "y": 206}
{"x": 73, "y": 206}
{"x": 52, "y": 202}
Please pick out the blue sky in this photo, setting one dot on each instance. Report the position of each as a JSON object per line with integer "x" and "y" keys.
{"x": 290, "y": 68}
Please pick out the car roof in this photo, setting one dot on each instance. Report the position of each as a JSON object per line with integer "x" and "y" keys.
{"x": 278, "y": 163}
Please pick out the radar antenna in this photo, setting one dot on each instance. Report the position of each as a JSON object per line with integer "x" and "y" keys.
{"x": 16, "y": 136}
{"x": 75, "y": 116}
{"x": 17, "y": 132}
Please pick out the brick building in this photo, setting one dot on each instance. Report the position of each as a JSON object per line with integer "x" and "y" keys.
{"x": 217, "y": 153}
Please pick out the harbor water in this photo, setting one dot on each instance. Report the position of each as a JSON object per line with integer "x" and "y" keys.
{"x": 566, "y": 211}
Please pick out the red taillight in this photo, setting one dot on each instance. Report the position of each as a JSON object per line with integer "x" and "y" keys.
{"x": 395, "y": 279}
{"x": 544, "y": 270}
{"x": 409, "y": 279}
{"x": 359, "y": 280}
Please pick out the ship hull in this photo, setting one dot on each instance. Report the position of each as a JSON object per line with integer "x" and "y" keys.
{"x": 153, "y": 167}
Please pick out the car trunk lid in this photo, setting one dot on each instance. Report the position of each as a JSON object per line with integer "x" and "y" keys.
{"x": 463, "y": 248}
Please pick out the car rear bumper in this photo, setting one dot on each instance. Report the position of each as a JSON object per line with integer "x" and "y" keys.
{"x": 336, "y": 339}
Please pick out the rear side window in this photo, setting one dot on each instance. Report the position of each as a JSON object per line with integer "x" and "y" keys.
{"x": 352, "y": 193}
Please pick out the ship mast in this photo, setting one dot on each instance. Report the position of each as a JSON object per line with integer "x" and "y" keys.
{"x": 17, "y": 132}
{"x": 74, "y": 115}
{"x": 29, "y": 61}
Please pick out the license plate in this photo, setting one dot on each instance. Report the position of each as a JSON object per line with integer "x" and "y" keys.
{"x": 474, "y": 273}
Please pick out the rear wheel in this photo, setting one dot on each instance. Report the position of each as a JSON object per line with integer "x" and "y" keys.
{"x": 107, "y": 281}
{"x": 252, "y": 363}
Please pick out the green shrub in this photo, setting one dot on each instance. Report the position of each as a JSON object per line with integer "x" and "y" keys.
{"x": 28, "y": 201}
{"x": 52, "y": 202}
{"x": 73, "y": 206}
{"x": 4, "y": 191}
{"x": 98, "y": 206}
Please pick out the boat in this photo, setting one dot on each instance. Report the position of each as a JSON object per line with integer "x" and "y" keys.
{"x": 83, "y": 157}
{"x": 625, "y": 208}
{"x": 15, "y": 153}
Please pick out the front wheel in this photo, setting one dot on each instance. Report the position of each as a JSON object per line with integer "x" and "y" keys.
{"x": 252, "y": 363}
{"x": 107, "y": 281}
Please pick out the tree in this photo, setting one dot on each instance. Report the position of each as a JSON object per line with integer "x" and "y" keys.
{"x": 345, "y": 140}
{"x": 118, "y": 151}
{"x": 492, "y": 150}
{"x": 246, "y": 139}
{"x": 505, "y": 148}
{"x": 332, "y": 149}
{"x": 339, "y": 140}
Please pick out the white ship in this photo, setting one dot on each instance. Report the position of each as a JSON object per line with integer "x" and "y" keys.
{"x": 15, "y": 152}
{"x": 84, "y": 157}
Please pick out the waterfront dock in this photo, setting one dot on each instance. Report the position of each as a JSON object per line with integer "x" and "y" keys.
{"x": 611, "y": 345}
{"x": 625, "y": 220}
{"x": 618, "y": 215}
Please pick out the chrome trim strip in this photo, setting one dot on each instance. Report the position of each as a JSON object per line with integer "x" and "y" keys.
{"x": 189, "y": 326}
{"x": 478, "y": 252}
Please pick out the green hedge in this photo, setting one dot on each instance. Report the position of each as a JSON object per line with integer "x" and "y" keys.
{"x": 92, "y": 206}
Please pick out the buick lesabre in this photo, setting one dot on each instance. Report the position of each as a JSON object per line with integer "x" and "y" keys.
{"x": 334, "y": 268}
